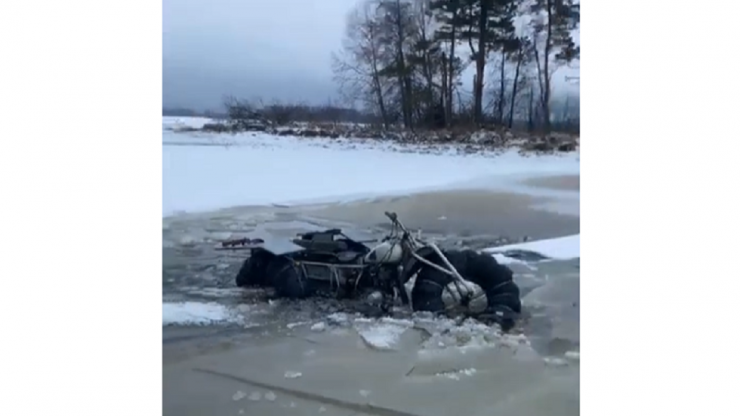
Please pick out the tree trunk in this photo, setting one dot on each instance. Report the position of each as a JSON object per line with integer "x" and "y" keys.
{"x": 546, "y": 65}
{"x": 429, "y": 78}
{"x": 480, "y": 63}
{"x": 378, "y": 87}
{"x": 530, "y": 113}
{"x": 445, "y": 96}
{"x": 381, "y": 103}
{"x": 514, "y": 88}
{"x": 502, "y": 90}
{"x": 403, "y": 82}
{"x": 451, "y": 71}
{"x": 427, "y": 72}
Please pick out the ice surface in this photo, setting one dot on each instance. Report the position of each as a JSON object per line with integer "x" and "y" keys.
{"x": 197, "y": 313}
{"x": 561, "y": 248}
{"x": 260, "y": 169}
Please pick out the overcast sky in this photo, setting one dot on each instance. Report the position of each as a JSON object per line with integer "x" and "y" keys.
{"x": 273, "y": 49}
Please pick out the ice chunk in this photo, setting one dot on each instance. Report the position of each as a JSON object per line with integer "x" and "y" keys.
{"x": 319, "y": 326}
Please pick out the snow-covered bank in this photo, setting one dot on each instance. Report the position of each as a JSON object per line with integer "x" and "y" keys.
{"x": 173, "y": 123}
{"x": 561, "y": 248}
{"x": 269, "y": 170}
{"x": 473, "y": 138}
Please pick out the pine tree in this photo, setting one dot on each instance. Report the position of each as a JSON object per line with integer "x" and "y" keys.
{"x": 554, "y": 20}
{"x": 487, "y": 26}
{"x": 449, "y": 15}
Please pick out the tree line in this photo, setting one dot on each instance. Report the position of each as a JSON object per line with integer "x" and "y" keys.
{"x": 402, "y": 60}
{"x": 276, "y": 112}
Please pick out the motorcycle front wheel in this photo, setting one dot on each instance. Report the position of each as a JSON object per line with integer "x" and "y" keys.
{"x": 496, "y": 280}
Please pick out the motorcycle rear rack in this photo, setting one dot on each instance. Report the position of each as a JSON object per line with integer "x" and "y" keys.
{"x": 334, "y": 277}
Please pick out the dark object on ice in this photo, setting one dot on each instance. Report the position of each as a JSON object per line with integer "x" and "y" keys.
{"x": 567, "y": 147}
{"x": 216, "y": 127}
{"x": 330, "y": 263}
{"x": 241, "y": 242}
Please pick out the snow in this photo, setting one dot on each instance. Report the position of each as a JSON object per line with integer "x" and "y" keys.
{"x": 319, "y": 326}
{"x": 501, "y": 259}
{"x": 197, "y": 313}
{"x": 561, "y": 248}
{"x": 170, "y": 122}
{"x": 202, "y": 174}
{"x": 382, "y": 336}
{"x": 455, "y": 375}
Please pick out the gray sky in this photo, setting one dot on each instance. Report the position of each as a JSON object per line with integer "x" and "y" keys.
{"x": 273, "y": 49}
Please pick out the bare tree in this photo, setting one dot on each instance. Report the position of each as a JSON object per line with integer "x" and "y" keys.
{"x": 426, "y": 52}
{"x": 241, "y": 113}
{"x": 397, "y": 28}
{"x": 479, "y": 56}
{"x": 522, "y": 58}
{"x": 357, "y": 68}
{"x": 401, "y": 60}
{"x": 491, "y": 26}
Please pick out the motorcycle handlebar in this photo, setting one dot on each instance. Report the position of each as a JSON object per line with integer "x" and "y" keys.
{"x": 392, "y": 216}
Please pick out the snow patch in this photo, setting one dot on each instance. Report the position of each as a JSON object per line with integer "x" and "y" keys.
{"x": 214, "y": 292}
{"x": 455, "y": 375}
{"x": 338, "y": 318}
{"x": 555, "y": 361}
{"x": 319, "y": 326}
{"x": 198, "y": 177}
{"x": 561, "y": 248}
{"x": 197, "y": 313}
{"x": 465, "y": 336}
{"x": 501, "y": 259}
{"x": 382, "y": 336}
{"x": 175, "y": 123}
{"x": 296, "y": 324}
